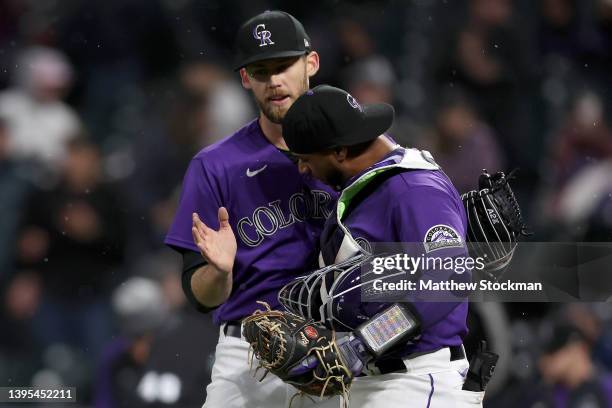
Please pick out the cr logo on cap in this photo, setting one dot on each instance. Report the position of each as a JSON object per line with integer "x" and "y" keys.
{"x": 353, "y": 102}
{"x": 262, "y": 35}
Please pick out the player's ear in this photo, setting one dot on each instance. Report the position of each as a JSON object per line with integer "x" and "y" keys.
{"x": 340, "y": 154}
{"x": 245, "y": 79}
{"x": 312, "y": 63}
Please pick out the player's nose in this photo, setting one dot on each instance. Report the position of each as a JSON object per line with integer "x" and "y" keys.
{"x": 275, "y": 80}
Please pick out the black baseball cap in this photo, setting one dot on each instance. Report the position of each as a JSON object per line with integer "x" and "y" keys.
{"x": 326, "y": 117}
{"x": 271, "y": 34}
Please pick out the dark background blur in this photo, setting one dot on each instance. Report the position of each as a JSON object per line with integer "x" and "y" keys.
{"x": 102, "y": 104}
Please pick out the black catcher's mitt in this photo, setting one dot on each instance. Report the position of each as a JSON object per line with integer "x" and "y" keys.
{"x": 494, "y": 221}
{"x": 298, "y": 351}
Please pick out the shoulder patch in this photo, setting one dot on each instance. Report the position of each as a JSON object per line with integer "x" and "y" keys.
{"x": 441, "y": 236}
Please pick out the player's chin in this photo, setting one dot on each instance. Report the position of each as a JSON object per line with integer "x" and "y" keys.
{"x": 276, "y": 114}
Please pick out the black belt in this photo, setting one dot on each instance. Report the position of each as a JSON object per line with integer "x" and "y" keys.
{"x": 233, "y": 328}
{"x": 397, "y": 365}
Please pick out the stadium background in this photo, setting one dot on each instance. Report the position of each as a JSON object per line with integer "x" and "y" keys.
{"x": 102, "y": 104}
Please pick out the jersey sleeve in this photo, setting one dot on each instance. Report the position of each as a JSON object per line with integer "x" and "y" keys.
{"x": 431, "y": 225}
{"x": 200, "y": 194}
{"x": 422, "y": 208}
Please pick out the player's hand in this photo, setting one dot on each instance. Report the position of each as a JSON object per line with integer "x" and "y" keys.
{"x": 217, "y": 247}
{"x": 352, "y": 352}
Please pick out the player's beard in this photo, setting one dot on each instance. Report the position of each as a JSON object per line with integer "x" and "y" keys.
{"x": 275, "y": 114}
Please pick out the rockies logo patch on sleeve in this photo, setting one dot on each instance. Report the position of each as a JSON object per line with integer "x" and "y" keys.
{"x": 441, "y": 236}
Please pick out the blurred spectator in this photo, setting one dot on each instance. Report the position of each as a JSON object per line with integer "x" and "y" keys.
{"x": 117, "y": 45}
{"x": 20, "y": 355}
{"x": 164, "y": 267}
{"x": 205, "y": 106}
{"x": 39, "y": 122}
{"x": 602, "y": 61}
{"x": 599, "y": 225}
{"x": 487, "y": 57}
{"x": 575, "y": 46}
{"x": 488, "y": 19}
{"x": 580, "y": 172}
{"x": 73, "y": 236}
{"x": 14, "y": 186}
{"x": 183, "y": 348}
{"x": 164, "y": 354}
{"x": 11, "y": 13}
{"x": 584, "y": 138}
{"x": 140, "y": 309}
{"x": 581, "y": 209}
{"x": 182, "y": 356}
{"x": 226, "y": 106}
{"x": 563, "y": 32}
{"x": 160, "y": 155}
{"x": 604, "y": 22}
{"x": 570, "y": 377}
{"x": 460, "y": 137}
{"x": 373, "y": 80}
{"x": 355, "y": 41}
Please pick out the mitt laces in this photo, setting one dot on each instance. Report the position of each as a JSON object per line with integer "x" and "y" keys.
{"x": 269, "y": 329}
{"x": 335, "y": 371}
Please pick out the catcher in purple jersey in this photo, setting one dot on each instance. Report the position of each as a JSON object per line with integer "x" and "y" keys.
{"x": 388, "y": 194}
{"x": 248, "y": 221}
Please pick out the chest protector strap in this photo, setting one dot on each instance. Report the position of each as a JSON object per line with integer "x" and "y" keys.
{"x": 337, "y": 243}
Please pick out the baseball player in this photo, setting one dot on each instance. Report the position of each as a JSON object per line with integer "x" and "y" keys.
{"x": 248, "y": 221}
{"x": 389, "y": 194}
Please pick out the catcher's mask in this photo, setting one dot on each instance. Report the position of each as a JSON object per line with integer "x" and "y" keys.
{"x": 494, "y": 222}
{"x": 332, "y": 295}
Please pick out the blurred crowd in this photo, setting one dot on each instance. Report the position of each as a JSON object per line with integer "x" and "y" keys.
{"x": 102, "y": 105}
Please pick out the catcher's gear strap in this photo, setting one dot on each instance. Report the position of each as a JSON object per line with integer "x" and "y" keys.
{"x": 369, "y": 188}
{"x": 411, "y": 159}
{"x": 400, "y": 158}
{"x": 192, "y": 261}
{"x": 328, "y": 254}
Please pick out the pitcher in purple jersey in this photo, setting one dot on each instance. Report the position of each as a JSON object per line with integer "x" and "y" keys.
{"x": 388, "y": 194}
{"x": 248, "y": 222}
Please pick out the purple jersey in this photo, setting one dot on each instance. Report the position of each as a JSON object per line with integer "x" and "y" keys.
{"x": 276, "y": 214}
{"x": 413, "y": 206}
